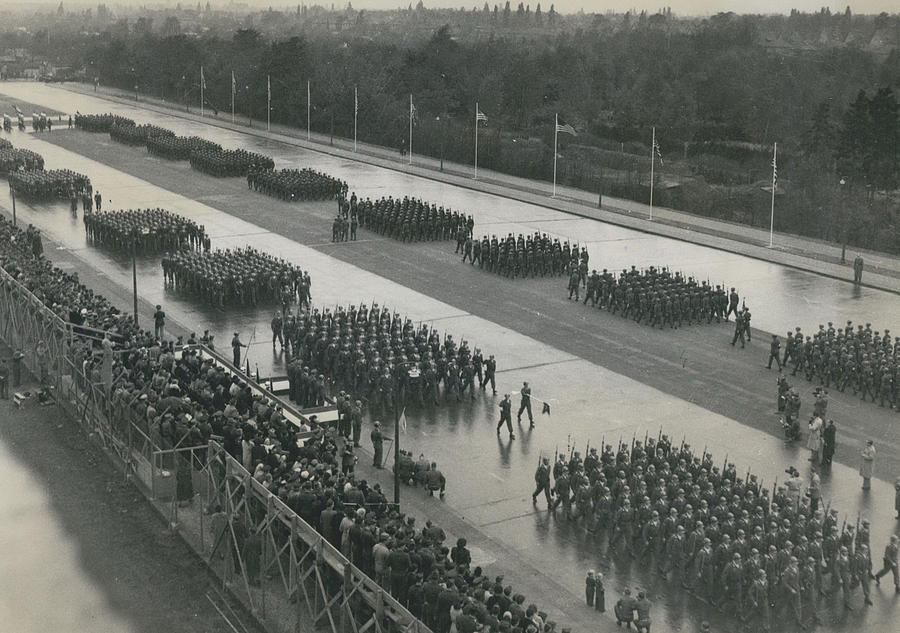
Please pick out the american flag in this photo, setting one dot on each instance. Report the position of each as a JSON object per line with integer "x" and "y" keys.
{"x": 479, "y": 115}
{"x": 355, "y": 101}
{"x": 233, "y": 84}
{"x": 565, "y": 127}
{"x": 412, "y": 111}
{"x": 656, "y": 149}
{"x": 202, "y": 79}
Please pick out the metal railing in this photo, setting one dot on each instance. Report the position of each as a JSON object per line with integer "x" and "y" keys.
{"x": 279, "y": 566}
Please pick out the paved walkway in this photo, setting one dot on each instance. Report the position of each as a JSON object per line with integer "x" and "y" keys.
{"x": 882, "y": 270}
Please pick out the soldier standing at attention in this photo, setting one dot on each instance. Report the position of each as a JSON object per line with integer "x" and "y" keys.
{"x": 377, "y": 444}
{"x": 857, "y": 269}
{"x": 236, "y": 346}
{"x": 525, "y": 405}
{"x": 277, "y": 330}
{"x": 506, "y": 416}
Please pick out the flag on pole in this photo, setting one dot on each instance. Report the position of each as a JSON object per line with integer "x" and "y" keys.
{"x": 479, "y": 115}
{"x": 774, "y": 172}
{"x": 565, "y": 127}
{"x": 202, "y": 79}
{"x": 412, "y": 111}
{"x": 268, "y": 87}
{"x": 656, "y": 149}
{"x": 355, "y": 101}
{"x": 233, "y": 85}
{"x": 403, "y": 420}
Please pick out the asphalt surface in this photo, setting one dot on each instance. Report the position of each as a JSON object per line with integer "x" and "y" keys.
{"x": 606, "y": 378}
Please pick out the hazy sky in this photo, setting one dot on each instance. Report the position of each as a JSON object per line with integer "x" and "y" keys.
{"x": 682, "y": 7}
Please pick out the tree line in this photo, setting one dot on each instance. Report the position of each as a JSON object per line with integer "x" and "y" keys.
{"x": 717, "y": 90}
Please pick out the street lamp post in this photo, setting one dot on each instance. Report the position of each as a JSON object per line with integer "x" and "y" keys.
{"x": 134, "y": 274}
{"x": 843, "y": 183}
{"x": 397, "y": 433}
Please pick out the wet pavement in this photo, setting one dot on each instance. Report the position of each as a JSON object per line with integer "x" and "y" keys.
{"x": 491, "y": 478}
{"x": 43, "y": 584}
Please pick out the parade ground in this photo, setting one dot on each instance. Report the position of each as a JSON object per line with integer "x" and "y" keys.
{"x": 607, "y": 379}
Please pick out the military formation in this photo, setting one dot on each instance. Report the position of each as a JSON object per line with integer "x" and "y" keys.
{"x": 379, "y": 357}
{"x": 145, "y": 231}
{"x": 865, "y": 361}
{"x": 13, "y": 159}
{"x": 179, "y": 147}
{"x": 295, "y": 185}
{"x": 407, "y": 219}
{"x": 657, "y": 297}
{"x": 228, "y": 162}
{"x": 522, "y": 256}
{"x": 721, "y": 536}
{"x": 236, "y": 277}
{"x": 100, "y": 122}
{"x": 56, "y": 184}
{"x": 137, "y": 134}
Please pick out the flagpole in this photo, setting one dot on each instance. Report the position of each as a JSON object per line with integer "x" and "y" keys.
{"x": 307, "y": 109}
{"x": 774, "y": 182}
{"x": 202, "y": 81}
{"x": 555, "y": 140}
{"x": 410, "y": 128}
{"x": 232, "y": 97}
{"x": 355, "y": 113}
{"x": 268, "y": 103}
{"x": 476, "y": 140}
{"x": 652, "y": 162}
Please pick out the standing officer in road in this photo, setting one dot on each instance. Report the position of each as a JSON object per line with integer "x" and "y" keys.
{"x": 857, "y": 269}
{"x": 377, "y": 444}
{"x": 506, "y": 416}
{"x": 236, "y": 346}
{"x": 525, "y": 405}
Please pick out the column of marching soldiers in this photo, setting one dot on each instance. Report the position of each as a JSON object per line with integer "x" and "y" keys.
{"x": 407, "y": 219}
{"x": 381, "y": 358}
{"x": 24, "y": 169}
{"x": 866, "y": 361}
{"x": 727, "y": 539}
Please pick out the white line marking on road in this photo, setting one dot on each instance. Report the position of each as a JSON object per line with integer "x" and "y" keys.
{"x": 497, "y": 477}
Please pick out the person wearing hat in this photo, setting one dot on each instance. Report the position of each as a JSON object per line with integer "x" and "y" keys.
{"x": 377, "y": 444}
{"x": 236, "y": 346}
{"x": 890, "y": 562}
{"x": 506, "y": 416}
{"x": 590, "y": 588}
{"x": 642, "y": 607}
{"x": 867, "y": 464}
{"x": 624, "y": 609}
{"x": 525, "y": 404}
{"x": 542, "y": 481}
{"x": 159, "y": 321}
{"x": 4, "y": 379}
